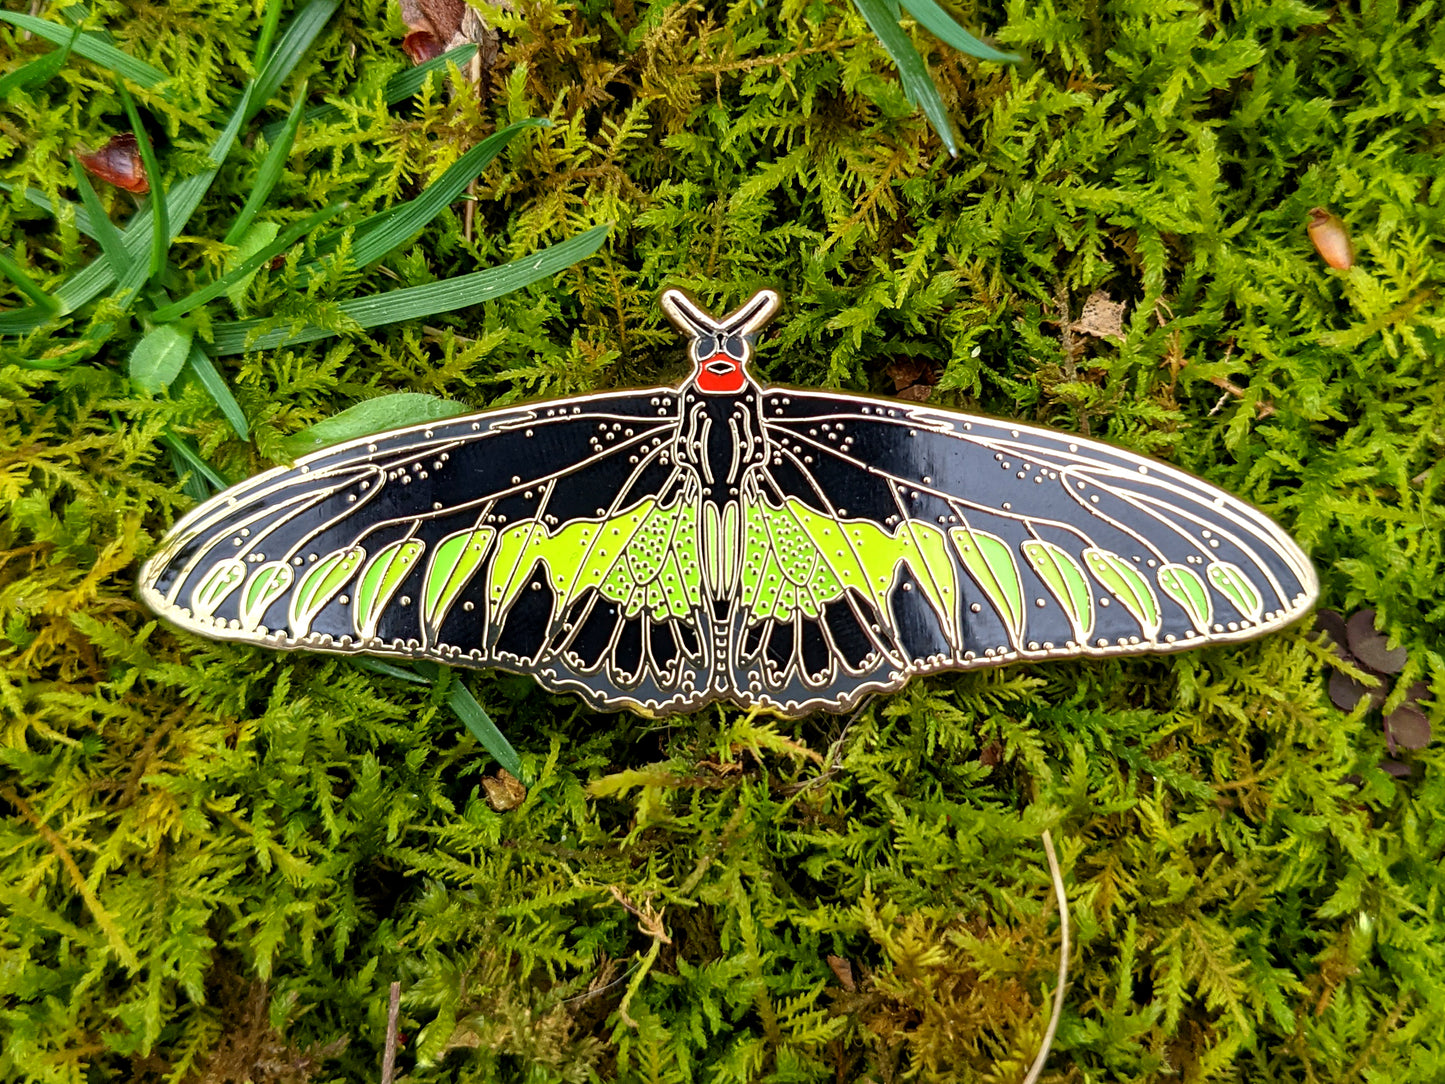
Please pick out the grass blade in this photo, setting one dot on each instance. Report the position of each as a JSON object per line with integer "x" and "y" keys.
{"x": 161, "y": 233}
{"x": 92, "y": 47}
{"x": 374, "y": 237}
{"x": 40, "y": 70}
{"x": 394, "y": 411}
{"x": 215, "y": 384}
{"x": 376, "y": 666}
{"x": 54, "y": 207}
{"x": 268, "y": 31}
{"x": 241, "y": 336}
{"x": 112, "y": 244}
{"x": 917, "y": 83}
{"x": 26, "y": 285}
{"x": 939, "y": 23}
{"x": 271, "y": 168}
{"x": 193, "y": 460}
{"x": 300, "y": 33}
{"x": 398, "y": 88}
{"x": 245, "y": 267}
{"x": 476, "y": 719}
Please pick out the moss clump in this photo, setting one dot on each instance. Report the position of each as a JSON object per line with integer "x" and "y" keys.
{"x": 215, "y": 859}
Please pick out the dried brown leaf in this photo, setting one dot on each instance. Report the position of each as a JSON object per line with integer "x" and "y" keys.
{"x": 1101, "y": 318}
{"x": 118, "y": 163}
{"x": 504, "y": 791}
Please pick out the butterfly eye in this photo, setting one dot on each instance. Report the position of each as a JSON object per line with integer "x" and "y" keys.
{"x": 704, "y": 346}
{"x": 734, "y": 347}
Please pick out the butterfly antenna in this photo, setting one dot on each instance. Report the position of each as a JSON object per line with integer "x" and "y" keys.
{"x": 688, "y": 315}
{"x": 752, "y": 314}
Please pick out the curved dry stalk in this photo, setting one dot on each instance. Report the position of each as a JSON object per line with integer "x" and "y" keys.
{"x": 1058, "y": 878}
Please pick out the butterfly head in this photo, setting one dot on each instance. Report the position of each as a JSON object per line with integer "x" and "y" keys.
{"x": 720, "y": 348}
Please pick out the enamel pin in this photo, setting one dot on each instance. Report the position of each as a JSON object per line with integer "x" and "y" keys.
{"x": 665, "y": 548}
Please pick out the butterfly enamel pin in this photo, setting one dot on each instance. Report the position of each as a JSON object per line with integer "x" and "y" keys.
{"x": 727, "y": 541}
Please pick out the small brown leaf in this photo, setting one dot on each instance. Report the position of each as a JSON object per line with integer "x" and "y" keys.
{"x": 504, "y": 792}
{"x": 1330, "y": 238}
{"x": 912, "y": 380}
{"x": 421, "y": 46}
{"x": 843, "y": 972}
{"x": 1101, "y": 318}
{"x": 118, "y": 163}
{"x": 435, "y": 26}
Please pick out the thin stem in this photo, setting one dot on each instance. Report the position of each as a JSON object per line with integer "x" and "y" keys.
{"x": 1043, "y": 1055}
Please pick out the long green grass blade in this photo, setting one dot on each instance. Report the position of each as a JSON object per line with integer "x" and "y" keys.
{"x": 112, "y": 243}
{"x": 939, "y": 23}
{"x": 245, "y": 267}
{"x": 917, "y": 83}
{"x": 182, "y": 447}
{"x": 394, "y": 411}
{"x": 270, "y": 171}
{"x": 376, "y": 666}
{"x": 374, "y": 237}
{"x": 269, "y": 23}
{"x": 300, "y": 33}
{"x": 476, "y": 719}
{"x": 45, "y": 203}
{"x": 161, "y": 234}
{"x": 240, "y": 336}
{"x": 40, "y": 70}
{"x": 26, "y": 285}
{"x": 399, "y": 87}
{"x": 92, "y": 47}
{"x": 200, "y": 363}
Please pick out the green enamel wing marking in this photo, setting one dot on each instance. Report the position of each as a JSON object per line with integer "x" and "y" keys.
{"x": 645, "y": 558}
{"x": 268, "y": 583}
{"x": 781, "y": 560}
{"x": 452, "y": 567}
{"x": 218, "y": 584}
{"x": 322, "y": 582}
{"x": 990, "y": 562}
{"x": 1236, "y": 586}
{"x": 1124, "y": 582}
{"x": 796, "y": 559}
{"x": 1063, "y": 576}
{"x": 383, "y": 575}
{"x": 1183, "y": 585}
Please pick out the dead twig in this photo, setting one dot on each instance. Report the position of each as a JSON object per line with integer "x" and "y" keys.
{"x": 393, "y": 1013}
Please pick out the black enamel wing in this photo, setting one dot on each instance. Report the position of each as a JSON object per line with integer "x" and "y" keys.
{"x": 665, "y": 548}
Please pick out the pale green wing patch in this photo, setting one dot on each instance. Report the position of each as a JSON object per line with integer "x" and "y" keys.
{"x": 268, "y": 583}
{"x": 990, "y": 561}
{"x": 224, "y": 578}
{"x": 453, "y": 564}
{"x": 321, "y": 583}
{"x": 1066, "y": 580}
{"x": 1123, "y": 581}
{"x": 862, "y": 556}
{"x": 1182, "y": 584}
{"x": 382, "y": 576}
{"x": 1237, "y": 587}
{"x": 611, "y": 556}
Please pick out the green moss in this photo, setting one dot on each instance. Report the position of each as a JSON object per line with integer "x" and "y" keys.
{"x": 216, "y": 859}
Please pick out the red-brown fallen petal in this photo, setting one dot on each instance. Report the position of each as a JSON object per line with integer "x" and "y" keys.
{"x": 1330, "y": 238}
{"x": 118, "y": 163}
{"x": 422, "y": 46}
